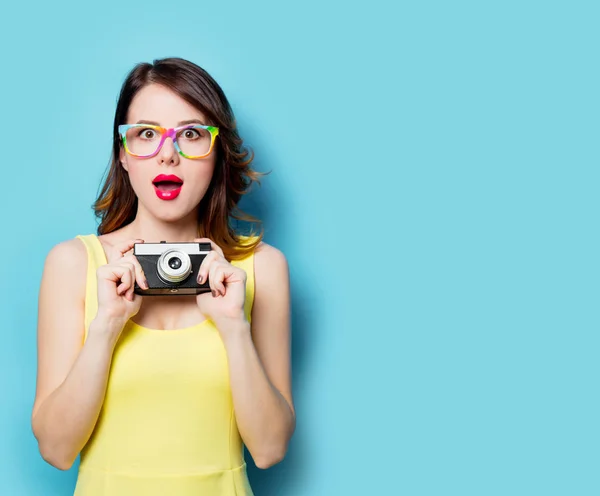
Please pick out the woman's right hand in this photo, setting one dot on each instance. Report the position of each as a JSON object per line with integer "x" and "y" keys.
{"x": 116, "y": 300}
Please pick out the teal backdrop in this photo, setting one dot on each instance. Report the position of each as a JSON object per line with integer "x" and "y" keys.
{"x": 434, "y": 186}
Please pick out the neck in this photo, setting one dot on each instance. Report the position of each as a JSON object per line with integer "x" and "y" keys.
{"x": 153, "y": 230}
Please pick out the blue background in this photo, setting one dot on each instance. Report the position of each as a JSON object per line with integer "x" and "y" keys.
{"x": 434, "y": 187}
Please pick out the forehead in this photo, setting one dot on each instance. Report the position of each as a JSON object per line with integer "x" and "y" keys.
{"x": 158, "y": 103}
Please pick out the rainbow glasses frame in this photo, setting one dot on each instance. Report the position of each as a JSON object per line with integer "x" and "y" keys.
{"x": 168, "y": 133}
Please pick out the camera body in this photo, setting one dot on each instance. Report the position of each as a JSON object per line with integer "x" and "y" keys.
{"x": 171, "y": 268}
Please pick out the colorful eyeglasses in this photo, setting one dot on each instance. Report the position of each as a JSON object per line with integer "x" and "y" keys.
{"x": 191, "y": 141}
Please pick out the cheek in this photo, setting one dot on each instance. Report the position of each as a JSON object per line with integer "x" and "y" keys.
{"x": 201, "y": 176}
{"x": 138, "y": 174}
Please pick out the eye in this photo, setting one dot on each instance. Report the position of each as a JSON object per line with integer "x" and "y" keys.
{"x": 191, "y": 134}
{"x": 147, "y": 133}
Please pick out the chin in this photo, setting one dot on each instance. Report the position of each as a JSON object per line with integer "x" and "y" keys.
{"x": 173, "y": 215}
{"x": 168, "y": 211}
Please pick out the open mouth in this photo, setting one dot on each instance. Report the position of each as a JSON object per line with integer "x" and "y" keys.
{"x": 167, "y": 183}
{"x": 167, "y": 187}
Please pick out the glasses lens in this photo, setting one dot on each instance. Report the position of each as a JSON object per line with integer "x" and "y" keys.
{"x": 142, "y": 140}
{"x": 194, "y": 141}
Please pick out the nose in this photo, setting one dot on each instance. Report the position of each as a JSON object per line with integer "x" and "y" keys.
{"x": 168, "y": 154}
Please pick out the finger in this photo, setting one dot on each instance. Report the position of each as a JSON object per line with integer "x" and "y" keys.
{"x": 110, "y": 272}
{"x": 222, "y": 273}
{"x": 231, "y": 273}
{"x": 127, "y": 277}
{"x": 129, "y": 249}
{"x": 128, "y": 245}
{"x": 140, "y": 277}
{"x": 220, "y": 284}
{"x": 126, "y": 280}
{"x": 217, "y": 276}
{"x": 204, "y": 269}
{"x": 212, "y": 279}
{"x": 131, "y": 293}
{"x": 119, "y": 249}
{"x": 130, "y": 268}
{"x": 213, "y": 245}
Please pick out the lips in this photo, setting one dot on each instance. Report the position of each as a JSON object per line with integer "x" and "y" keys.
{"x": 167, "y": 187}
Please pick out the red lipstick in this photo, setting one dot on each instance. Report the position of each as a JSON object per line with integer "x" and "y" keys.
{"x": 167, "y": 187}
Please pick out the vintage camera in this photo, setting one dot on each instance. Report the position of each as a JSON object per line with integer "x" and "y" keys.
{"x": 171, "y": 268}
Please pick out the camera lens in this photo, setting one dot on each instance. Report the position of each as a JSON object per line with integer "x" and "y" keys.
{"x": 175, "y": 263}
{"x": 174, "y": 266}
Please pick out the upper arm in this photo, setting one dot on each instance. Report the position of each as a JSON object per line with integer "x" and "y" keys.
{"x": 271, "y": 327}
{"x": 61, "y": 311}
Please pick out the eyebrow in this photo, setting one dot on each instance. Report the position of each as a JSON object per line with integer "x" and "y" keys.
{"x": 180, "y": 123}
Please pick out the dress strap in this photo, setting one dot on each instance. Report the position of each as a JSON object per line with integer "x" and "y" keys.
{"x": 96, "y": 258}
{"x": 248, "y": 265}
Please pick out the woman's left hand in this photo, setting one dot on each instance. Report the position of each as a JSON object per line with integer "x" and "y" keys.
{"x": 225, "y": 302}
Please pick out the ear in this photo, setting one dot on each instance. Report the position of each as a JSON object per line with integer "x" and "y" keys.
{"x": 123, "y": 159}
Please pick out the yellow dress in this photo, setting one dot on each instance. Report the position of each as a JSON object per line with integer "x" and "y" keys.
{"x": 167, "y": 425}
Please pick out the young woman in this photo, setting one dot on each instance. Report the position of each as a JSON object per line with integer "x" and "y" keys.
{"x": 161, "y": 393}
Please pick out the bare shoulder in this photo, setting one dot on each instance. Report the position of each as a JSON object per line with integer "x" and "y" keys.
{"x": 269, "y": 259}
{"x": 67, "y": 260}
{"x": 68, "y": 254}
{"x": 271, "y": 270}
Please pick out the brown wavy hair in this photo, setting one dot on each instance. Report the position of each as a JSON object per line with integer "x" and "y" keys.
{"x": 116, "y": 205}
